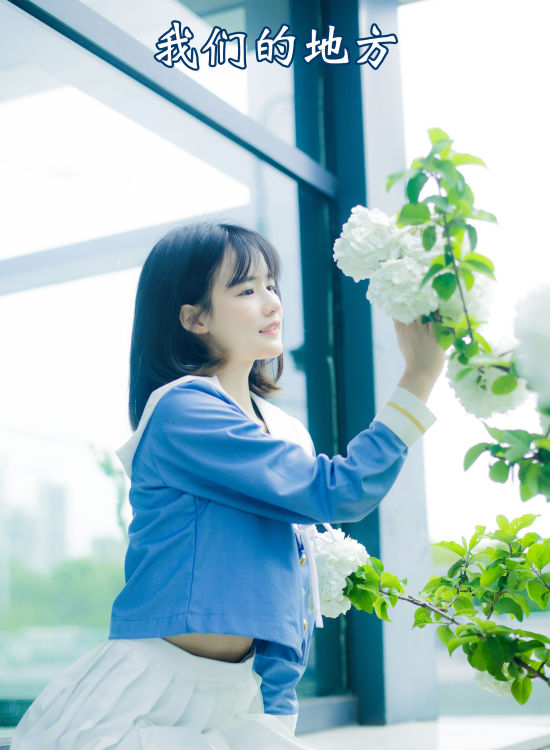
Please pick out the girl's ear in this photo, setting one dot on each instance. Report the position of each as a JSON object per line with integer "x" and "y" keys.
{"x": 189, "y": 320}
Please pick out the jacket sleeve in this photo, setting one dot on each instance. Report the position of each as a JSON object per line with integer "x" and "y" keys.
{"x": 203, "y": 444}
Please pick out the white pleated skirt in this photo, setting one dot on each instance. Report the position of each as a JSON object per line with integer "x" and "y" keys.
{"x": 148, "y": 694}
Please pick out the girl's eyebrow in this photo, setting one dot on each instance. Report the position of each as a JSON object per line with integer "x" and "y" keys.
{"x": 249, "y": 278}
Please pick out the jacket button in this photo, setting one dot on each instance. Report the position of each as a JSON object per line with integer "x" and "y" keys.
{"x": 305, "y": 624}
{"x": 303, "y": 559}
{"x": 303, "y": 592}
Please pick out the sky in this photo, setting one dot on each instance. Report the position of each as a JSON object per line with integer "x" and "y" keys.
{"x": 463, "y": 70}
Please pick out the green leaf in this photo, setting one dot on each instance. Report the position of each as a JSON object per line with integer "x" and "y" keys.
{"x": 422, "y": 617}
{"x": 529, "y": 538}
{"x": 473, "y": 265}
{"x": 514, "y": 453}
{"x": 448, "y": 171}
{"x": 480, "y": 215}
{"x": 413, "y": 213}
{"x": 464, "y": 605}
{"x": 467, "y": 275}
{"x": 480, "y": 259}
{"x": 434, "y": 268}
{"x": 499, "y": 471}
{"x": 432, "y": 583}
{"x": 443, "y": 336}
{"x": 503, "y": 522}
{"x": 440, "y": 202}
{"x": 484, "y": 343}
{"x": 389, "y": 580}
{"x": 490, "y": 576}
{"x": 396, "y": 176}
{"x": 376, "y": 564}
{"x": 428, "y": 237}
{"x": 445, "y": 285}
{"x": 361, "y": 599}
{"x": 519, "y": 599}
{"x": 529, "y": 482}
{"x": 523, "y": 646}
{"x": 539, "y": 555}
{"x": 436, "y": 134}
{"x": 453, "y": 546}
{"x": 474, "y": 453}
{"x": 521, "y": 689}
{"x": 477, "y": 658}
{"x": 538, "y": 593}
{"x": 472, "y": 234}
{"x": 459, "y": 159}
{"x": 507, "y": 605}
{"x": 415, "y": 185}
{"x": 542, "y": 442}
{"x": 504, "y": 384}
{"x": 381, "y": 608}
{"x": 504, "y": 536}
{"x": 523, "y": 521}
{"x": 454, "y": 643}
{"x": 445, "y": 634}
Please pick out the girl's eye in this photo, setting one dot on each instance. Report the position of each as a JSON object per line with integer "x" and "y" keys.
{"x": 251, "y": 290}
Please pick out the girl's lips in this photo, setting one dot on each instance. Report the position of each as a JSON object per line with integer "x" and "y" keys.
{"x": 272, "y": 329}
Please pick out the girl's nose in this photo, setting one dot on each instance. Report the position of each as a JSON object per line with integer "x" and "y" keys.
{"x": 274, "y": 304}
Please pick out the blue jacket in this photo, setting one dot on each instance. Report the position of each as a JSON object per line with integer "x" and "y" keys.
{"x": 216, "y": 503}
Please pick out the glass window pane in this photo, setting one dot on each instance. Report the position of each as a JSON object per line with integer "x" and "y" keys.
{"x": 109, "y": 157}
{"x": 262, "y": 90}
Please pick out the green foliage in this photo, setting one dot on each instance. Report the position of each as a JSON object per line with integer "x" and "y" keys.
{"x": 78, "y": 592}
{"x": 528, "y": 453}
{"x": 448, "y": 212}
{"x": 504, "y": 572}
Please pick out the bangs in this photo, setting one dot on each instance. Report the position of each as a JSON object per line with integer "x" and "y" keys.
{"x": 247, "y": 250}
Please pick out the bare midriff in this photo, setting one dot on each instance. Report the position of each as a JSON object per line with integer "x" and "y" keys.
{"x": 213, "y": 645}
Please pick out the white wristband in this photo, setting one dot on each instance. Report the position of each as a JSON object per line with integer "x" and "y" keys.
{"x": 406, "y": 415}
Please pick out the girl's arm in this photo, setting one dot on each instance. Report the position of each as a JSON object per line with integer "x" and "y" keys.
{"x": 202, "y": 444}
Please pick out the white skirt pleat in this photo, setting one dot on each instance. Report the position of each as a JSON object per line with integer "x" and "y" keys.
{"x": 148, "y": 694}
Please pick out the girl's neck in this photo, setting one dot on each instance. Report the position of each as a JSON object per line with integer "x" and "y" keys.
{"x": 236, "y": 385}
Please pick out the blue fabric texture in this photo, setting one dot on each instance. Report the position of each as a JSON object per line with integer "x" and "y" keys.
{"x": 211, "y": 546}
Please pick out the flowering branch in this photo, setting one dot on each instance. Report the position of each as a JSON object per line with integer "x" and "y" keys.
{"x": 415, "y": 267}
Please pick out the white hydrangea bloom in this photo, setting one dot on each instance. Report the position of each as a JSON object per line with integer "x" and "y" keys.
{"x": 336, "y": 556}
{"x": 488, "y": 682}
{"x": 478, "y": 398}
{"x": 533, "y": 332}
{"x": 368, "y": 238}
{"x": 395, "y": 288}
{"x": 372, "y": 246}
{"x": 478, "y": 300}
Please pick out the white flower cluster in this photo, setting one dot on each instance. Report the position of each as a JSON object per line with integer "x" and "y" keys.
{"x": 336, "y": 556}
{"x": 479, "y": 300}
{"x": 533, "y": 333}
{"x": 372, "y": 246}
{"x": 478, "y": 398}
{"x": 368, "y": 238}
{"x": 488, "y": 682}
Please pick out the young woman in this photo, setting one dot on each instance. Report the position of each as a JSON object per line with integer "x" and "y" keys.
{"x": 211, "y": 632}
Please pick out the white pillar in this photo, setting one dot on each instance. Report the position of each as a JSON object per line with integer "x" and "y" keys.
{"x": 409, "y": 655}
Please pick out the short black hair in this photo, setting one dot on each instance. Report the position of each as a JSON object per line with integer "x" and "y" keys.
{"x": 179, "y": 270}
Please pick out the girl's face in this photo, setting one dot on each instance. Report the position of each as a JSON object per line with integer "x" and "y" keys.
{"x": 240, "y": 312}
